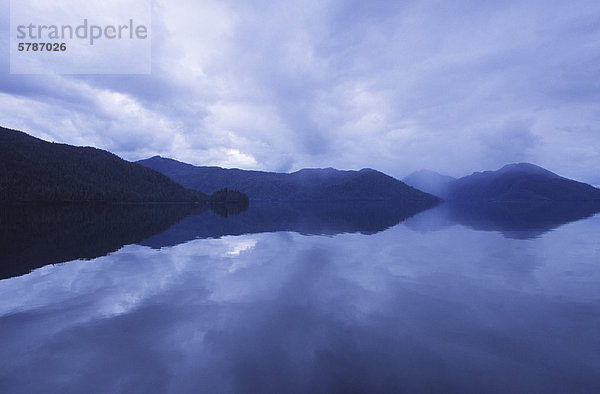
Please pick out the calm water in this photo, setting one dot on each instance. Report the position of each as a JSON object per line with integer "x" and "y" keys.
{"x": 319, "y": 303}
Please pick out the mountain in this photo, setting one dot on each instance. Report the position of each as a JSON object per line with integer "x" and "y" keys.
{"x": 33, "y": 170}
{"x": 305, "y": 185}
{"x": 430, "y": 182}
{"x": 522, "y": 182}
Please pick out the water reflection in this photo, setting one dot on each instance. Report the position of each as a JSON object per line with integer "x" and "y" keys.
{"x": 307, "y": 219}
{"x": 453, "y": 310}
{"x": 31, "y": 237}
{"x": 34, "y": 236}
{"x": 513, "y": 220}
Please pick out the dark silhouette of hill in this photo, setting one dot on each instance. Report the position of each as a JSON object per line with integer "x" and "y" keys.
{"x": 522, "y": 182}
{"x": 305, "y": 185}
{"x": 304, "y": 218}
{"x": 33, "y": 170}
{"x": 430, "y": 182}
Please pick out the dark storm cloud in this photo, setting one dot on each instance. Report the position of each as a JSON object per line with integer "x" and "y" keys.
{"x": 398, "y": 86}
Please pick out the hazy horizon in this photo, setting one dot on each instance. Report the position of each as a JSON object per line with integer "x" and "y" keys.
{"x": 351, "y": 169}
{"x": 396, "y": 86}
{"x": 401, "y": 177}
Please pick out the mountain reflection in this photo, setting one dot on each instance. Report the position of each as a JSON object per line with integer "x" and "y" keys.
{"x": 35, "y": 236}
{"x": 32, "y": 237}
{"x": 452, "y": 311}
{"x": 307, "y": 219}
{"x": 513, "y": 220}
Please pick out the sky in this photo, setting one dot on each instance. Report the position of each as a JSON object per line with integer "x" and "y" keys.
{"x": 451, "y": 86}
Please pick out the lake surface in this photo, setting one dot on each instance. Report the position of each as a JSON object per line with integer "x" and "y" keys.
{"x": 305, "y": 300}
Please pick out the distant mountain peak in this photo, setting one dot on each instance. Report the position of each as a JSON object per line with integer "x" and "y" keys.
{"x": 521, "y": 182}
{"x": 157, "y": 158}
{"x": 525, "y": 168}
{"x": 316, "y": 169}
{"x": 429, "y": 181}
{"x": 425, "y": 171}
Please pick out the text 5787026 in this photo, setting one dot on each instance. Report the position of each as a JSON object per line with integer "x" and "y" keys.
{"x": 42, "y": 47}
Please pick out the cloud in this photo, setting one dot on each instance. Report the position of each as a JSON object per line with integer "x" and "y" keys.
{"x": 455, "y": 87}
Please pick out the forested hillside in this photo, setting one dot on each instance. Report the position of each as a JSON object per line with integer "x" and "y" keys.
{"x": 33, "y": 170}
{"x": 521, "y": 182}
{"x": 316, "y": 185}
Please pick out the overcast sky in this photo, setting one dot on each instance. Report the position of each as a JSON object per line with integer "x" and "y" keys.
{"x": 453, "y": 86}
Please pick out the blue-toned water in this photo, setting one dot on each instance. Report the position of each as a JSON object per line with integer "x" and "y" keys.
{"x": 427, "y": 305}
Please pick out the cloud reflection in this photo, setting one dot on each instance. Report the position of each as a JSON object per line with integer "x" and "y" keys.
{"x": 452, "y": 310}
